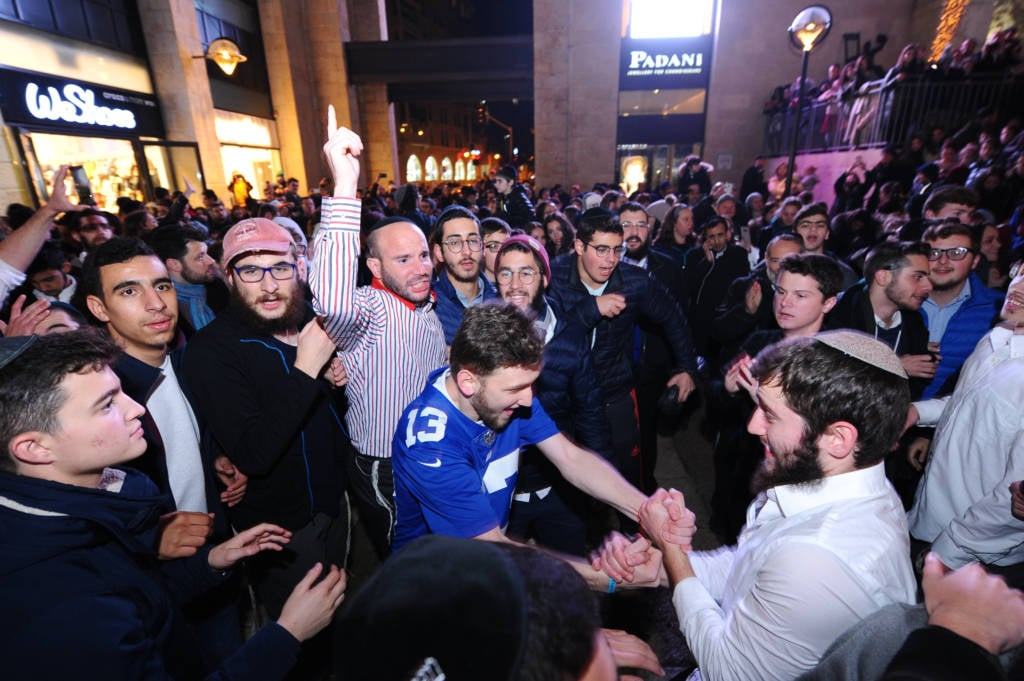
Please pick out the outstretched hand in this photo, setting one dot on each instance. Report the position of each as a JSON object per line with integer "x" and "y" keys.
{"x": 342, "y": 150}
{"x": 311, "y": 606}
{"x": 24, "y": 318}
{"x": 262, "y": 537}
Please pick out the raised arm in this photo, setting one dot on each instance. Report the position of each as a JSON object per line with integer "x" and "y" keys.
{"x": 335, "y": 264}
{"x": 20, "y": 248}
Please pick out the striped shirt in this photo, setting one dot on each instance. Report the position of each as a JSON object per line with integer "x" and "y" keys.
{"x": 388, "y": 349}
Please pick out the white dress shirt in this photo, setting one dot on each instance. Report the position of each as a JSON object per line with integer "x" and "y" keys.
{"x": 963, "y": 499}
{"x": 812, "y": 561}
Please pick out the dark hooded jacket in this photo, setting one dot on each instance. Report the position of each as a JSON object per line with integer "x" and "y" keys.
{"x": 85, "y": 597}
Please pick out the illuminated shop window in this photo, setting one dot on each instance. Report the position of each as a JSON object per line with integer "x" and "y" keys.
{"x": 446, "y": 169}
{"x": 433, "y": 174}
{"x": 413, "y": 169}
{"x": 460, "y": 170}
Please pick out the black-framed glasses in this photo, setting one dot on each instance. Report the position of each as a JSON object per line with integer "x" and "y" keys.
{"x": 455, "y": 245}
{"x": 955, "y": 253}
{"x": 526, "y": 275}
{"x": 604, "y": 251}
{"x": 252, "y": 274}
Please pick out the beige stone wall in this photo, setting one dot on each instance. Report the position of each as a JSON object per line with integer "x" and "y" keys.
{"x": 576, "y": 61}
{"x": 181, "y": 83}
{"x": 371, "y": 113}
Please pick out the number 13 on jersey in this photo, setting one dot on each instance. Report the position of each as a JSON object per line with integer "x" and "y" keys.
{"x": 431, "y": 422}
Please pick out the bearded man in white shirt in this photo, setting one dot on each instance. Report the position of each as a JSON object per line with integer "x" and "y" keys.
{"x": 825, "y": 544}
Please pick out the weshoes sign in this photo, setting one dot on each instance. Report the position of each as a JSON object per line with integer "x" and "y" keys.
{"x": 74, "y": 104}
{"x": 39, "y": 100}
{"x": 673, "y": 63}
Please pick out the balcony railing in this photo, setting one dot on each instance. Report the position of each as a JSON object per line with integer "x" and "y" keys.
{"x": 876, "y": 116}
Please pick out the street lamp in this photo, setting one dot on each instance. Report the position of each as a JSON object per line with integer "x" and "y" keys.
{"x": 807, "y": 31}
{"x": 225, "y": 54}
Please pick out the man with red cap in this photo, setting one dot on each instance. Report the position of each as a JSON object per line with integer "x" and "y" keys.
{"x": 263, "y": 378}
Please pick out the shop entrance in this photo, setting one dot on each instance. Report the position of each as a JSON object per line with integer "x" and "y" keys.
{"x": 115, "y": 167}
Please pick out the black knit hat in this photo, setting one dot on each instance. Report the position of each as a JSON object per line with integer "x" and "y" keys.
{"x": 446, "y": 604}
{"x": 508, "y": 172}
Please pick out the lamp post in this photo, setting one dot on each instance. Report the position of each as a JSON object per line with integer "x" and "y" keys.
{"x": 224, "y": 53}
{"x": 807, "y": 31}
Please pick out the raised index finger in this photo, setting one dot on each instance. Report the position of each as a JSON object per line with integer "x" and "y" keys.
{"x": 332, "y": 121}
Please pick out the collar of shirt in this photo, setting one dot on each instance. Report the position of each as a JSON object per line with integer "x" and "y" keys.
{"x": 379, "y": 285}
{"x": 789, "y": 500}
{"x": 897, "y": 319}
{"x": 961, "y": 298}
{"x": 642, "y": 262}
{"x": 481, "y": 286}
{"x": 1001, "y": 337}
{"x": 545, "y": 323}
{"x": 111, "y": 480}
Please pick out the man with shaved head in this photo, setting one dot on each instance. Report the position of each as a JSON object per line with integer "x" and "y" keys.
{"x": 388, "y": 333}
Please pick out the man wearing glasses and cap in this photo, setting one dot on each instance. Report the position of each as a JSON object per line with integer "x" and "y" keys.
{"x": 262, "y": 375}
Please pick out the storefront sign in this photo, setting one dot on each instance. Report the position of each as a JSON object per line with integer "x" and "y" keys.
{"x": 674, "y": 63}
{"x": 75, "y": 106}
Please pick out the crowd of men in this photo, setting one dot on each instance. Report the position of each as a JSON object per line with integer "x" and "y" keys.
{"x": 483, "y": 383}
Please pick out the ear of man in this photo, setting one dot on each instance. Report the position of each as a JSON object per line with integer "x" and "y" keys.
{"x": 97, "y": 308}
{"x": 838, "y": 443}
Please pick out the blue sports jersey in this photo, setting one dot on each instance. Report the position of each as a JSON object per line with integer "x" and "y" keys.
{"x": 453, "y": 475}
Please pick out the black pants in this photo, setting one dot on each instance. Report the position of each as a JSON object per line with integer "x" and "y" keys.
{"x": 372, "y": 486}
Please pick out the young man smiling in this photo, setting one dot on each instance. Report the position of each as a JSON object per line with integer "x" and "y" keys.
{"x": 825, "y": 543}
{"x": 456, "y": 450}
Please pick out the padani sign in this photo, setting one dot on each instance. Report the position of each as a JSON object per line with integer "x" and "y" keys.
{"x": 76, "y": 106}
{"x": 671, "y": 63}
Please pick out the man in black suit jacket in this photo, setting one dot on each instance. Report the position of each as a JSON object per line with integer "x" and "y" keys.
{"x": 652, "y": 355}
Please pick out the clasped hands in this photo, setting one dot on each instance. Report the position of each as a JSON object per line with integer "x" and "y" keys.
{"x": 669, "y": 525}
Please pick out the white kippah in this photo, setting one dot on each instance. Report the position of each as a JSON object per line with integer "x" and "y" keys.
{"x": 865, "y": 348}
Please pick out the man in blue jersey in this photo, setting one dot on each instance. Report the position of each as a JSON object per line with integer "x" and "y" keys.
{"x": 456, "y": 450}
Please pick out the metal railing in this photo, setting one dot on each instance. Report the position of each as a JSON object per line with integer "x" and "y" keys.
{"x": 876, "y": 116}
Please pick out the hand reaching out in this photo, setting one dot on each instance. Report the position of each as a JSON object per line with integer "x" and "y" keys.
{"x": 739, "y": 377}
{"x": 24, "y": 318}
{"x": 311, "y": 606}
{"x": 262, "y": 537}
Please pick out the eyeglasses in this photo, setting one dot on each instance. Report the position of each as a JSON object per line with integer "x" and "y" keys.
{"x": 638, "y": 225}
{"x": 455, "y": 245}
{"x": 251, "y": 274}
{"x": 957, "y": 253}
{"x": 526, "y": 275}
{"x": 492, "y": 246}
{"x": 604, "y": 251}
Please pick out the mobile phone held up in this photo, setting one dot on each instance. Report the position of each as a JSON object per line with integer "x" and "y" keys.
{"x": 82, "y": 186}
